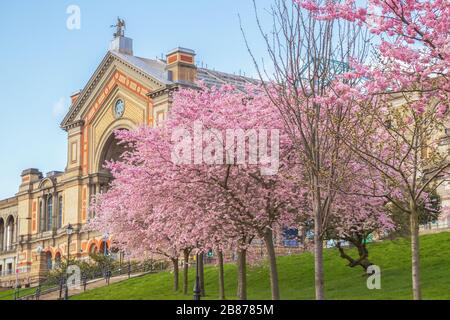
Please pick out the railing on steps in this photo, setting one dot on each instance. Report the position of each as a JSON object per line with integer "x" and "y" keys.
{"x": 130, "y": 270}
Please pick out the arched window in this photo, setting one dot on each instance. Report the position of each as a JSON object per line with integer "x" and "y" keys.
{"x": 41, "y": 216}
{"x": 9, "y": 233}
{"x": 57, "y": 260}
{"x": 2, "y": 234}
{"x": 60, "y": 213}
{"x": 49, "y": 218}
{"x": 49, "y": 260}
{"x": 93, "y": 249}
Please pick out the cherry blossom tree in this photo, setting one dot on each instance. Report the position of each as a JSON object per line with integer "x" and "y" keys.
{"x": 306, "y": 56}
{"x": 408, "y": 95}
{"x": 360, "y": 211}
{"x": 251, "y": 202}
{"x": 213, "y": 177}
{"x": 404, "y": 145}
{"x": 133, "y": 211}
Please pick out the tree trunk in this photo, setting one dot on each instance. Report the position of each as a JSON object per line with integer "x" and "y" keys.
{"x": 415, "y": 252}
{"x": 268, "y": 239}
{"x": 318, "y": 248}
{"x": 175, "y": 274}
{"x": 186, "y": 253}
{"x": 202, "y": 273}
{"x": 242, "y": 274}
{"x": 363, "y": 259}
{"x": 221, "y": 277}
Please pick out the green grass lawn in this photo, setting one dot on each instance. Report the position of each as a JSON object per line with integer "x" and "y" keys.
{"x": 9, "y": 294}
{"x": 297, "y": 277}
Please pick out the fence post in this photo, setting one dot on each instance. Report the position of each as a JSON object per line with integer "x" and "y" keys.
{"x": 38, "y": 292}
{"x": 61, "y": 283}
{"x": 66, "y": 291}
{"x": 84, "y": 282}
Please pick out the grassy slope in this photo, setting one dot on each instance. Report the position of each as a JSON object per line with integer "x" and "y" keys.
{"x": 9, "y": 294}
{"x": 296, "y": 277}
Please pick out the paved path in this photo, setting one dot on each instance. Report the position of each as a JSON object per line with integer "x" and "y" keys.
{"x": 90, "y": 286}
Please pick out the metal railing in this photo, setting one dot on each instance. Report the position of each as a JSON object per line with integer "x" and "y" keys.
{"x": 436, "y": 226}
{"x": 98, "y": 275}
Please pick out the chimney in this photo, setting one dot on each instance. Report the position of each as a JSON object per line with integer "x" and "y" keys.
{"x": 30, "y": 176}
{"x": 74, "y": 97}
{"x": 181, "y": 65}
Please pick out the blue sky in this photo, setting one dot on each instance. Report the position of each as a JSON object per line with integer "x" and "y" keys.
{"x": 42, "y": 62}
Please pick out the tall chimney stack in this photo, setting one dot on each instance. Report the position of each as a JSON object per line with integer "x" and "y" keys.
{"x": 181, "y": 65}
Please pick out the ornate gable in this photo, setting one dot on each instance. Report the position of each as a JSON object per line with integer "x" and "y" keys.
{"x": 145, "y": 78}
{"x": 91, "y": 121}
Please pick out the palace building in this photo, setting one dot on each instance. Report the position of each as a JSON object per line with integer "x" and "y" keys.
{"x": 124, "y": 92}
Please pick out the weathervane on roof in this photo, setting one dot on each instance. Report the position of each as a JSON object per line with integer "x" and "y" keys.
{"x": 121, "y": 26}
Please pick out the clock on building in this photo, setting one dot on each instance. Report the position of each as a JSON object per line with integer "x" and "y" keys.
{"x": 119, "y": 108}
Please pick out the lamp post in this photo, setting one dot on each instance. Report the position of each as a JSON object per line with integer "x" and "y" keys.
{"x": 69, "y": 231}
{"x": 105, "y": 253}
{"x": 197, "y": 291}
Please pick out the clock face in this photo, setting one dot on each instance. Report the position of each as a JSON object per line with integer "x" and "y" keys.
{"x": 119, "y": 108}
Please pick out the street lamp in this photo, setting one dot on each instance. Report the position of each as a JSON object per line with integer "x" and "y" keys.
{"x": 197, "y": 290}
{"x": 69, "y": 232}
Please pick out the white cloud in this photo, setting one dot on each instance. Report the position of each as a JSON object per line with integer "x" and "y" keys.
{"x": 59, "y": 107}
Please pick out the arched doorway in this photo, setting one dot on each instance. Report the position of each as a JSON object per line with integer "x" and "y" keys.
{"x": 2, "y": 234}
{"x": 112, "y": 151}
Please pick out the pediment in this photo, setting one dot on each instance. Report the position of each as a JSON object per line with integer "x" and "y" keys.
{"x": 47, "y": 183}
{"x": 136, "y": 74}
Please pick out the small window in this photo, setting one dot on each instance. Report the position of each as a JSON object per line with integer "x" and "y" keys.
{"x": 160, "y": 117}
{"x": 10, "y": 268}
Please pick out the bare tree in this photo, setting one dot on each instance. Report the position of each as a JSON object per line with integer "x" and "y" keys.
{"x": 306, "y": 55}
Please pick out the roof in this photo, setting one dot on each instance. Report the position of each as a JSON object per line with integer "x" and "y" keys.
{"x": 217, "y": 78}
{"x": 153, "y": 68}
{"x": 156, "y": 70}
{"x": 8, "y": 203}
